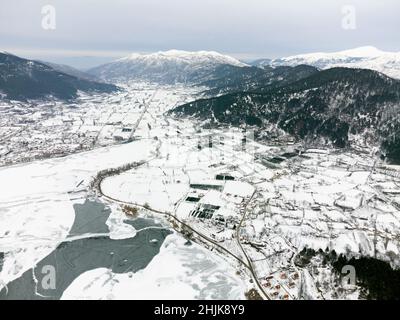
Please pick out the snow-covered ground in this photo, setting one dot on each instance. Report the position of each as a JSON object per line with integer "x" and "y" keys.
{"x": 36, "y": 201}
{"x": 179, "y": 271}
{"x": 38, "y": 130}
{"x": 36, "y": 214}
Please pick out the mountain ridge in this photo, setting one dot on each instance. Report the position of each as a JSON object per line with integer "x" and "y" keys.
{"x": 23, "y": 79}
{"x": 169, "y": 67}
{"x": 367, "y": 57}
{"x": 331, "y": 107}
{"x": 64, "y": 68}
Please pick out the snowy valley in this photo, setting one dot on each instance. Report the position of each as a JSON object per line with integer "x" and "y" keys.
{"x": 128, "y": 199}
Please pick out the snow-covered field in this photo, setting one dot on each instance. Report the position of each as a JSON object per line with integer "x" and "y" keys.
{"x": 36, "y": 214}
{"x": 179, "y": 271}
{"x": 38, "y": 130}
{"x": 36, "y": 201}
{"x": 333, "y": 201}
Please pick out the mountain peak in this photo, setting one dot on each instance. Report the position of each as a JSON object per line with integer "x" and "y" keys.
{"x": 22, "y": 79}
{"x": 363, "y": 52}
{"x": 367, "y": 57}
{"x": 185, "y": 56}
{"x": 167, "y": 67}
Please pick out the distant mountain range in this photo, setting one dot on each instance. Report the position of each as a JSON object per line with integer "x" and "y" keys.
{"x": 364, "y": 57}
{"x": 169, "y": 67}
{"x": 337, "y": 106}
{"x": 71, "y": 71}
{"x": 22, "y": 79}
{"x": 174, "y": 66}
{"x": 329, "y": 107}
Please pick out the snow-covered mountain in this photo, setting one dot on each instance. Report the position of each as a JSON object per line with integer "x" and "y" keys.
{"x": 261, "y": 63}
{"x": 22, "y": 79}
{"x": 364, "y": 57}
{"x": 338, "y": 106}
{"x": 172, "y": 66}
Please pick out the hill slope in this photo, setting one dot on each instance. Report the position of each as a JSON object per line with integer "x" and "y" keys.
{"x": 228, "y": 79}
{"x": 71, "y": 71}
{"x": 22, "y": 79}
{"x": 330, "y": 106}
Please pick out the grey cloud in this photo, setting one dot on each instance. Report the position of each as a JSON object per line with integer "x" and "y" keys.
{"x": 252, "y": 28}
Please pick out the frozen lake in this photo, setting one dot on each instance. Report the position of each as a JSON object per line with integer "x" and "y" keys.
{"x": 86, "y": 249}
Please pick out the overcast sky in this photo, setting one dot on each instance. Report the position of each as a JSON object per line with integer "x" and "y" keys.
{"x": 243, "y": 28}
